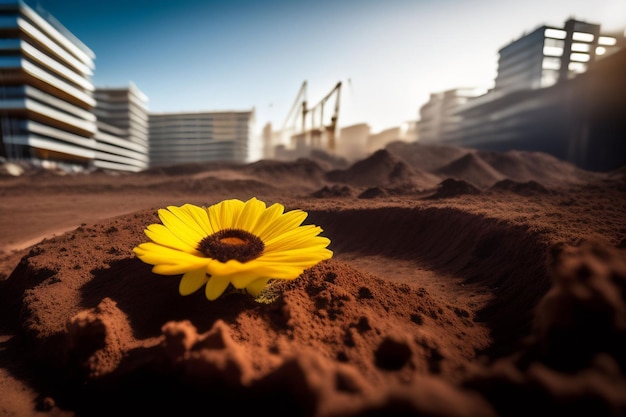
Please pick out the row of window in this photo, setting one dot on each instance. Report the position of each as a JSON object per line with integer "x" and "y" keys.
{"x": 579, "y": 36}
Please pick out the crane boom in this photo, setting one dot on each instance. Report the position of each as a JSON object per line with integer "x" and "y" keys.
{"x": 316, "y": 130}
{"x": 301, "y": 93}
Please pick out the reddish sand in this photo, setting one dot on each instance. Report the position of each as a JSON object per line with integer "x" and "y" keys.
{"x": 463, "y": 283}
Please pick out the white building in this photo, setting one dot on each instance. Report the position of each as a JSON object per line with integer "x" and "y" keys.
{"x": 186, "y": 137}
{"x": 122, "y": 121}
{"x": 46, "y": 93}
{"x": 437, "y": 116}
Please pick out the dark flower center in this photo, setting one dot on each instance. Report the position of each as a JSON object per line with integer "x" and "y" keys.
{"x": 230, "y": 244}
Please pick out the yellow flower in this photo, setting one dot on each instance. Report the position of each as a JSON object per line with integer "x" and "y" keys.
{"x": 245, "y": 244}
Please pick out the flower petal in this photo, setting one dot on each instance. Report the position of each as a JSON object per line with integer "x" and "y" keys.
{"x": 256, "y": 286}
{"x": 223, "y": 215}
{"x": 163, "y": 236}
{"x": 250, "y": 214}
{"x": 190, "y": 235}
{"x": 158, "y": 255}
{"x": 200, "y": 216}
{"x": 192, "y": 281}
{"x": 300, "y": 237}
{"x": 267, "y": 218}
{"x": 287, "y": 221}
{"x": 215, "y": 287}
{"x": 255, "y": 268}
{"x": 242, "y": 280}
{"x": 297, "y": 256}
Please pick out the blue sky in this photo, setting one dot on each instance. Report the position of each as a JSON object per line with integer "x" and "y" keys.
{"x": 193, "y": 55}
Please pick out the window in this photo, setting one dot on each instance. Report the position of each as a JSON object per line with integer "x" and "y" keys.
{"x": 581, "y": 47}
{"x": 577, "y": 67}
{"x": 582, "y": 37}
{"x": 554, "y": 33}
{"x": 552, "y": 51}
{"x": 551, "y": 63}
{"x": 579, "y": 57}
{"x": 607, "y": 41}
{"x": 553, "y": 47}
{"x": 553, "y": 42}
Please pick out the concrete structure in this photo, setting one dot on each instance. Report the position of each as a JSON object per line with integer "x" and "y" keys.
{"x": 581, "y": 120}
{"x": 438, "y": 114}
{"x": 122, "y": 122}
{"x": 549, "y": 54}
{"x": 178, "y": 138}
{"x": 558, "y": 91}
{"x": 46, "y": 93}
{"x": 352, "y": 142}
{"x": 51, "y": 114}
{"x": 268, "y": 142}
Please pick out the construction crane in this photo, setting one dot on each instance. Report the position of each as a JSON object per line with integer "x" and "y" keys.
{"x": 318, "y": 130}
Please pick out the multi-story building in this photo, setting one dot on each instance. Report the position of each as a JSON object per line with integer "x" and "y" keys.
{"x": 549, "y": 54}
{"x": 122, "y": 121}
{"x": 51, "y": 114}
{"x": 186, "y": 137}
{"x": 46, "y": 93}
{"x": 558, "y": 91}
{"x": 438, "y": 114}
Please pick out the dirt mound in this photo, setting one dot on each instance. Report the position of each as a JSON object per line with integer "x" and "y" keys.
{"x": 453, "y": 188}
{"x": 523, "y": 166}
{"x": 426, "y": 157}
{"x": 300, "y": 172}
{"x": 522, "y": 188}
{"x": 333, "y": 191}
{"x": 381, "y": 169}
{"x": 473, "y": 169}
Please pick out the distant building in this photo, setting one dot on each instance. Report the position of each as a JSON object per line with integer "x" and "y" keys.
{"x": 573, "y": 110}
{"x": 268, "y": 142}
{"x": 438, "y": 114}
{"x": 582, "y": 120}
{"x": 46, "y": 93}
{"x": 352, "y": 141}
{"x": 122, "y": 122}
{"x": 549, "y": 54}
{"x": 51, "y": 114}
{"x": 546, "y": 98}
{"x": 405, "y": 133}
{"x": 186, "y": 137}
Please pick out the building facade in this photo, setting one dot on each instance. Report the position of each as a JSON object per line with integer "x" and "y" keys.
{"x": 540, "y": 59}
{"x": 51, "y": 114}
{"x": 563, "y": 98}
{"x": 549, "y": 54}
{"x": 187, "y": 137}
{"x": 46, "y": 93}
{"x": 438, "y": 114}
{"x": 557, "y": 90}
{"x": 122, "y": 134}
